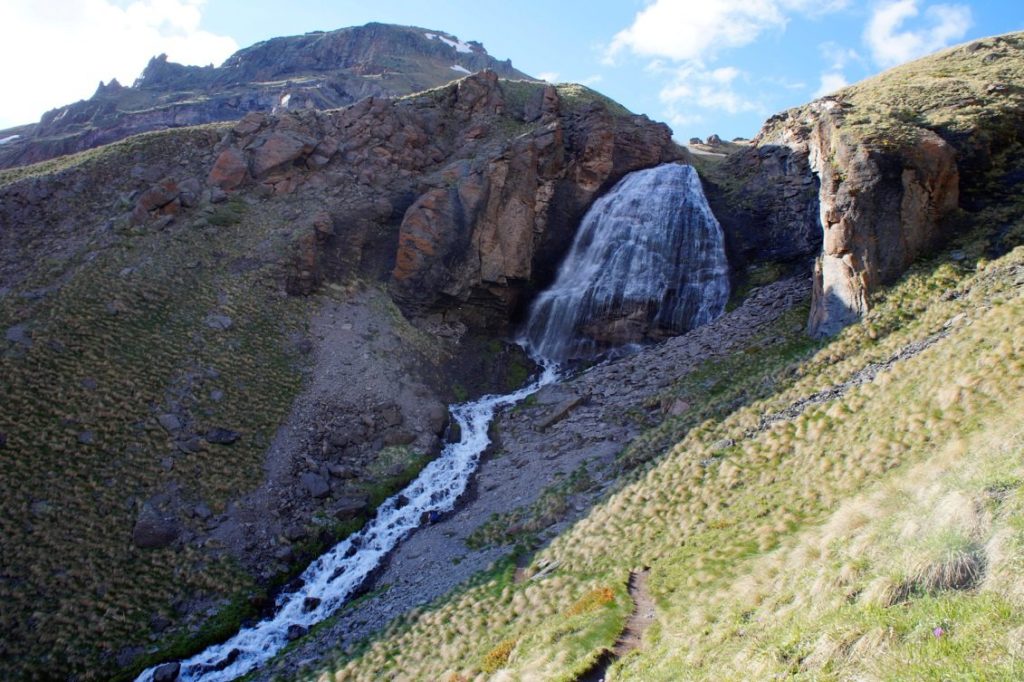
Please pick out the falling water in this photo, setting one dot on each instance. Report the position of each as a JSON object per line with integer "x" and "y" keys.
{"x": 648, "y": 261}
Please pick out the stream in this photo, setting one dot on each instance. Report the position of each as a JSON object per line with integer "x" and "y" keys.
{"x": 333, "y": 577}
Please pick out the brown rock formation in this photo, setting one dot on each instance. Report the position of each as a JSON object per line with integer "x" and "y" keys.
{"x": 466, "y": 203}
{"x": 880, "y": 204}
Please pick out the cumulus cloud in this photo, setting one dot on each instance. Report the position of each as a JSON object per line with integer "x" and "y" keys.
{"x": 682, "y": 40}
{"x": 691, "y": 87}
{"x": 891, "y": 43}
{"x": 830, "y": 82}
{"x": 74, "y": 44}
{"x": 682, "y": 30}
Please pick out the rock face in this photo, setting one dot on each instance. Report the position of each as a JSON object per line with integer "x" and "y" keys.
{"x": 879, "y": 210}
{"x": 313, "y": 71}
{"x": 813, "y": 186}
{"x": 433, "y": 191}
{"x": 879, "y": 205}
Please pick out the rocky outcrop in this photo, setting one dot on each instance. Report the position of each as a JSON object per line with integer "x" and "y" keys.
{"x": 467, "y": 196}
{"x": 766, "y": 199}
{"x": 880, "y": 204}
{"x": 495, "y": 229}
{"x": 318, "y": 70}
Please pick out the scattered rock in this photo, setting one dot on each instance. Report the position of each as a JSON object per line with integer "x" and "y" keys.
{"x": 168, "y": 672}
{"x": 310, "y": 603}
{"x": 560, "y": 412}
{"x": 202, "y": 511}
{"x": 86, "y": 437}
{"x": 714, "y": 139}
{"x": 220, "y": 436}
{"x": 89, "y": 384}
{"x": 190, "y": 445}
{"x": 158, "y": 624}
{"x": 20, "y": 335}
{"x": 315, "y": 484}
{"x": 696, "y": 140}
{"x": 295, "y": 533}
{"x": 218, "y": 322}
{"x": 285, "y": 553}
{"x": 153, "y": 530}
{"x": 350, "y": 507}
{"x": 216, "y": 395}
{"x": 341, "y": 471}
{"x": 169, "y": 422}
{"x": 296, "y": 632}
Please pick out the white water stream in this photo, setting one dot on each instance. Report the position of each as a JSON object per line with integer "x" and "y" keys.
{"x": 335, "y": 575}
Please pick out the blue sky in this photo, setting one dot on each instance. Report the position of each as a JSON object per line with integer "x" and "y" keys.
{"x": 703, "y": 66}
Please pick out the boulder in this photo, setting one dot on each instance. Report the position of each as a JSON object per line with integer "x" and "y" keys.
{"x": 19, "y": 334}
{"x": 350, "y": 507}
{"x": 315, "y": 484}
{"x": 168, "y": 672}
{"x": 278, "y": 149}
{"x": 153, "y": 529}
{"x": 295, "y": 632}
{"x": 218, "y": 322}
{"x": 229, "y": 171}
{"x": 221, "y": 436}
{"x": 170, "y": 422}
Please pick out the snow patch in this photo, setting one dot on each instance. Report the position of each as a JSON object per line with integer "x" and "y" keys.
{"x": 459, "y": 46}
{"x": 12, "y": 138}
{"x": 460, "y": 69}
{"x": 284, "y": 100}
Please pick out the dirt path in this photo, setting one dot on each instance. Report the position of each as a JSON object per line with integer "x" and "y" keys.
{"x": 632, "y": 634}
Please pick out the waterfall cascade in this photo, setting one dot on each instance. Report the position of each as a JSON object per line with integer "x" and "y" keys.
{"x": 648, "y": 261}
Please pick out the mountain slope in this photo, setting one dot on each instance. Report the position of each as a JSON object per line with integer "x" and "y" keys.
{"x": 320, "y": 70}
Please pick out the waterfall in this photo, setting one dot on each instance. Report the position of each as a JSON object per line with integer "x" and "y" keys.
{"x": 648, "y": 261}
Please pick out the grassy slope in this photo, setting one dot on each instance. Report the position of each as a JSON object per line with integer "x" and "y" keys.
{"x": 73, "y": 586}
{"x": 827, "y": 545}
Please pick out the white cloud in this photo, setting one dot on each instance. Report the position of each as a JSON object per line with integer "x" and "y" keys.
{"x": 830, "y": 82}
{"x": 549, "y": 76}
{"x": 682, "y": 30}
{"x": 691, "y": 86}
{"x": 839, "y": 56}
{"x": 74, "y": 44}
{"x": 685, "y": 30}
{"x": 891, "y": 44}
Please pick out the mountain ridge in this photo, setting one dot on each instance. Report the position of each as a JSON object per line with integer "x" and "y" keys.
{"x": 318, "y": 70}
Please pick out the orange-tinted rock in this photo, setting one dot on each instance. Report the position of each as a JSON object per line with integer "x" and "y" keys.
{"x": 278, "y": 149}
{"x": 230, "y": 170}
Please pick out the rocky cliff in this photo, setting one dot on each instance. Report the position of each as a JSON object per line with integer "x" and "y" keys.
{"x": 319, "y": 70}
{"x": 871, "y": 178}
